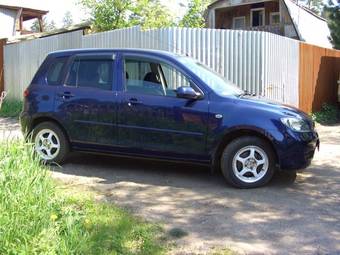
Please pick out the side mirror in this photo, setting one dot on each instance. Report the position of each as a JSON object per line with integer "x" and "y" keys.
{"x": 188, "y": 93}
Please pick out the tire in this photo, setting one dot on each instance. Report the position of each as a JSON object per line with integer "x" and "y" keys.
{"x": 253, "y": 156}
{"x": 50, "y": 143}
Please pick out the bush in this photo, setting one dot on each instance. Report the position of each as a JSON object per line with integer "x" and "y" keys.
{"x": 36, "y": 219}
{"x": 11, "y": 108}
{"x": 327, "y": 115}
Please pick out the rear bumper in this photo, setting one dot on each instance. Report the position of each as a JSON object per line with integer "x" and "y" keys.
{"x": 299, "y": 152}
{"x": 25, "y": 123}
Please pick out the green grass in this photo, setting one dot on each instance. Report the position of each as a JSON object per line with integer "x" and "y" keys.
{"x": 36, "y": 217}
{"x": 224, "y": 251}
{"x": 327, "y": 115}
{"x": 11, "y": 108}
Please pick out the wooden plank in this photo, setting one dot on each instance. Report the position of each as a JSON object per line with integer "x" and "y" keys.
{"x": 2, "y": 45}
{"x": 306, "y": 76}
{"x": 319, "y": 71}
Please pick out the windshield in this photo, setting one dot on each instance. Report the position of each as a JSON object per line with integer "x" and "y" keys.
{"x": 215, "y": 81}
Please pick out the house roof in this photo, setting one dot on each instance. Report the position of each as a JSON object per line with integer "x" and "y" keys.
{"x": 5, "y": 5}
{"x": 310, "y": 27}
{"x": 26, "y": 4}
{"x": 81, "y": 26}
{"x": 227, "y": 3}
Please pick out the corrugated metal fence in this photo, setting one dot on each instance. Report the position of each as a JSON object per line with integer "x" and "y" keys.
{"x": 258, "y": 62}
{"x": 23, "y": 59}
{"x": 237, "y": 55}
{"x": 281, "y": 69}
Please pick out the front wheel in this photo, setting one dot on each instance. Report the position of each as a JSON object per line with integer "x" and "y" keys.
{"x": 50, "y": 143}
{"x": 248, "y": 162}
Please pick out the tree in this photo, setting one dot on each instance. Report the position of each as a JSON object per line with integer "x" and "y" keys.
{"x": 315, "y": 6}
{"x": 67, "y": 20}
{"x": 150, "y": 14}
{"x": 195, "y": 14}
{"x": 332, "y": 13}
{"x": 47, "y": 26}
{"x": 108, "y": 14}
{"x": 35, "y": 27}
{"x": 114, "y": 14}
{"x": 50, "y": 26}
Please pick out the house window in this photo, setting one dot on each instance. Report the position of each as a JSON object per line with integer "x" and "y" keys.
{"x": 239, "y": 22}
{"x": 257, "y": 17}
{"x": 274, "y": 18}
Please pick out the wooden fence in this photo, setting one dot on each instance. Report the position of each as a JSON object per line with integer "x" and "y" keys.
{"x": 318, "y": 75}
{"x": 2, "y": 80}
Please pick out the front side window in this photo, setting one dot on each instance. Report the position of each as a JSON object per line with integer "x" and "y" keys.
{"x": 153, "y": 78}
{"x": 54, "y": 73}
{"x": 93, "y": 73}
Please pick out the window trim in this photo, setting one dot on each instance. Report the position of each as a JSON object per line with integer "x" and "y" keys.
{"x": 239, "y": 17}
{"x": 92, "y": 56}
{"x": 263, "y": 17}
{"x": 271, "y": 18}
{"x": 160, "y": 60}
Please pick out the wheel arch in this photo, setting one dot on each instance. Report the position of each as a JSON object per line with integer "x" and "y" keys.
{"x": 42, "y": 119}
{"x": 237, "y": 133}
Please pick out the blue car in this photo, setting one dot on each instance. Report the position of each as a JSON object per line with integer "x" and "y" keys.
{"x": 154, "y": 104}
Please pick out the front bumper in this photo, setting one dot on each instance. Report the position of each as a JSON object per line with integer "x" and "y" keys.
{"x": 299, "y": 151}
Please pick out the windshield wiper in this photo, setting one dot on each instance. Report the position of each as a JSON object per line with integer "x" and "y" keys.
{"x": 246, "y": 93}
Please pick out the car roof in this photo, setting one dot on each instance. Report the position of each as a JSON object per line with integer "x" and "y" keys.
{"x": 70, "y": 52}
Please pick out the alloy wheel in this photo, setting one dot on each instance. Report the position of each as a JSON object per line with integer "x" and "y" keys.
{"x": 250, "y": 164}
{"x": 47, "y": 144}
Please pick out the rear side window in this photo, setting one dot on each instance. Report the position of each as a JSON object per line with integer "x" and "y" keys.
{"x": 54, "y": 73}
{"x": 94, "y": 73}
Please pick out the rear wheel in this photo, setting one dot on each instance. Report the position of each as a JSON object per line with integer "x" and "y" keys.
{"x": 50, "y": 143}
{"x": 248, "y": 162}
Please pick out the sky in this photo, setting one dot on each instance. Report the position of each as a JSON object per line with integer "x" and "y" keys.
{"x": 57, "y": 8}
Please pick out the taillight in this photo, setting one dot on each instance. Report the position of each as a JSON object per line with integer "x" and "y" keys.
{"x": 26, "y": 93}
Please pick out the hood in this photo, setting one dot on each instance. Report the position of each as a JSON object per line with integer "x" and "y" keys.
{"x": 270, "y": 105}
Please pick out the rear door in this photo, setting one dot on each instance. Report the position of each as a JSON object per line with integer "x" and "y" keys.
{"x": 86, "y": 103}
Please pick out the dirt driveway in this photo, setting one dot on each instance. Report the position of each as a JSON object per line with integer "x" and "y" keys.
{"x": 292, "y": 215}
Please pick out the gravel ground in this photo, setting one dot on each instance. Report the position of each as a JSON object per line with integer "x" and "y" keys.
{"x": 294, "y": 214}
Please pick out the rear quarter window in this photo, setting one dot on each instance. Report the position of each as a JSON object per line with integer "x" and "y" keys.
{"x": 92, "y": 72}
{"x": 55, "y": 71}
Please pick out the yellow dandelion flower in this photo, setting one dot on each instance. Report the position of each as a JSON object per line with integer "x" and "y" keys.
{"x": 87, "y": 223}
{"x": 53, "y": 217}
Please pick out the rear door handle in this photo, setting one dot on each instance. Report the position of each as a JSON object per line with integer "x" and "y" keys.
{"x": 65, "y": 95}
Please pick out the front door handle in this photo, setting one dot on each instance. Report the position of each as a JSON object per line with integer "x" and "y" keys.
{"x": 133, "y": 101}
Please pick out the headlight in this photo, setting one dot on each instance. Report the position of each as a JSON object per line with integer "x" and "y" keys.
{"x": 296, "y": 124}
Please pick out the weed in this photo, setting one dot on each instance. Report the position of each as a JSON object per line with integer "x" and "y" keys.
{"x": 37, "y": 218}
{"x": 11, "y": 108}
{"x": 327, "y": 115}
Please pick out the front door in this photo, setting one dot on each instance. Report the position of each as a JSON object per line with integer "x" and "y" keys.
{"x": 86, "y": 103}
{"x": 152, "y": 120}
